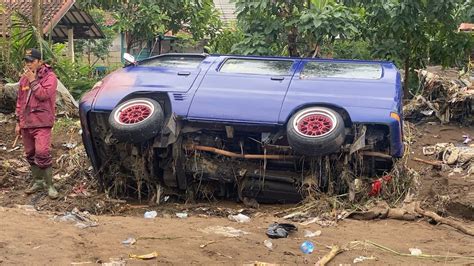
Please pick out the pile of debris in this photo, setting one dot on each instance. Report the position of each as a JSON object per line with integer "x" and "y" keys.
{"x": 454, "y": 158}
{"x": 443, "y": 94}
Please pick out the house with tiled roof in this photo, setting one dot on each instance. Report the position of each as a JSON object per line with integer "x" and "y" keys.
{"x": 62, "y": 20}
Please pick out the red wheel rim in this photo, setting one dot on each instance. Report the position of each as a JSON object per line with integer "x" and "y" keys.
{"x": 134, "y": 113}
{"x": 315, "y": 125}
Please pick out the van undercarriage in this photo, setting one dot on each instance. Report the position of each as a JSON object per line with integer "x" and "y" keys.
{"x": 201, "y": 160}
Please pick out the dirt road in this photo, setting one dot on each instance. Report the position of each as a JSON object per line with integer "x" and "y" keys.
{"x": 33, "y": 237}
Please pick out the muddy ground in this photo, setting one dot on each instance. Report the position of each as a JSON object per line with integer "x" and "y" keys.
{"x": 38, "y": 236}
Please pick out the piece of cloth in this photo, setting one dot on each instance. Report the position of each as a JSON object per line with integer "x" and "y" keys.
{"x": 36, "y": 102}
{"x": 280, "y": 230}
{"x": 37, "y": 144}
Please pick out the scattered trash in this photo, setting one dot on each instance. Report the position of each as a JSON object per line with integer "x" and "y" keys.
{"x": 457, "y": 170}
{"x": 308, "y": 233}
{"x": 268, "y": 243}
{"x": 362, "y": 258}
{"x": 150, "y": 215}
{"x": 415, "y": 251}
{"x": 224, "y": 230}
{"x": 82, "y": 220}
{"x": 129, "y": 241}
{"x": 323, "y": 222}
{"x": 427, "y": 112}
{"x": 182, "y": 215}
{"x": 240, "y": 218}
{"x": 377, "y": 185}
{"x": 430, "y": 150}
{"x": 70, "y": 145}
{"x": 115, "y": 262}
{"x": 280, "y": 230}
{"x": 307, "y": 247}
{"x": 14, "y": 149}
{"x": 144, "y": 257}
{"x": 79, "y": 190}
{"x": 206, "y": 244}
{"x": 467, "y": 139}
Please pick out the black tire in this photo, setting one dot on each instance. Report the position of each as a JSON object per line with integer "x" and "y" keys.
{"x": 323, "y": 133}
{"x": 136, "y": 120}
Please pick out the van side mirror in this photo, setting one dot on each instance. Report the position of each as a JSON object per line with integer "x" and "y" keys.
{"x": 130, "y": 59}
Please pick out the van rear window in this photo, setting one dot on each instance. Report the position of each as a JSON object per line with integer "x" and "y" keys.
{"x": 341, "y": 70}
{"x": 189, "y": 61}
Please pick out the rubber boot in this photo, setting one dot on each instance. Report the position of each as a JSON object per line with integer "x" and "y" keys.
{"x": 48, "y": 179}
{"x": 38, "y": 183}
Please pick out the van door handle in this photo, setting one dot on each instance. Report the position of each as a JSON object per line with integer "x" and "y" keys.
{"x": 277, "y": 78}
{"x": 184, "y": 73}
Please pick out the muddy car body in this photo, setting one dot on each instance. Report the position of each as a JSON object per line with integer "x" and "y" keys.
{"x": 270, "y": 128}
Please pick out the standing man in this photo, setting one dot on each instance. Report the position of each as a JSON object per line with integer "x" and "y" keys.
{"x": 35, "y": 111}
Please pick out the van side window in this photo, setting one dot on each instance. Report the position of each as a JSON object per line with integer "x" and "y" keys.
{"x": 174, "y": 61}
{"x": 255, "y": 66}
{"x": 341, "y": 70}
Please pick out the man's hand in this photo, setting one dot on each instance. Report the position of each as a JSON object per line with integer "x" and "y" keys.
{"x": 17, "y": 129}
{"x": 29, "y": 74}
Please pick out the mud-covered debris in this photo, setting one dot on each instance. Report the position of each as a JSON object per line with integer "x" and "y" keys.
{"x": 182, "y": 215}
{"x": 70, "y": 145}
{"x": 81, "y": 219}
{"x": 454, "y": 158}
{"x": 308, "y": 233}
{"x": 444, "y": 95}
{"x": 467, "y": 139}
{"x": 240, "y": 218}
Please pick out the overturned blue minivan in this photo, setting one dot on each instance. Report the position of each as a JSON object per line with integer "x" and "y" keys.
{"x": 264, "y": 128}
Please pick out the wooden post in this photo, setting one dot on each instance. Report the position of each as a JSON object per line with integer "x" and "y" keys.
{"x": 70, "y": 43}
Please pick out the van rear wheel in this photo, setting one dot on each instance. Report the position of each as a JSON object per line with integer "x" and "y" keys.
{"x": 316, "y": 131}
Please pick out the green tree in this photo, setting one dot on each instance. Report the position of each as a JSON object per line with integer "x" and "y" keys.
{"x": 292, "y": 28}
{"x": 225, "y": 40}
{"x": 142, "y": 20}
{"x": 411, "y": 32}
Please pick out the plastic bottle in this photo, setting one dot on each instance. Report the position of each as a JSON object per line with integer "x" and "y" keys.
{"x": 307, "y": 247}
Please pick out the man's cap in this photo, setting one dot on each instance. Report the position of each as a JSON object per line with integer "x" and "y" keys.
{"x": 32, "y": 54}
